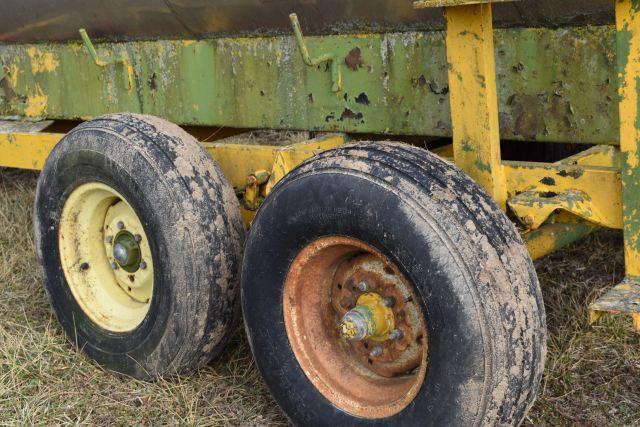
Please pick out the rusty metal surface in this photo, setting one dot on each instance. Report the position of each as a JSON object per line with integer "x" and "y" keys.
{"x": 59, "y": 20}
{"x": 316, "y": 296}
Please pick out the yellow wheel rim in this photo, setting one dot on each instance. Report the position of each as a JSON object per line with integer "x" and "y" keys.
{"x": 106, "y": 257}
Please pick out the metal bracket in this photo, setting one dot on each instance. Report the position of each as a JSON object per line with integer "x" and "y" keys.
{"x": 128, "y": 77}
{"x": 336, "y": 71}
{"x": 622, "y": 299}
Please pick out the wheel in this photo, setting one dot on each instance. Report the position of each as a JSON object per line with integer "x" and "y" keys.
{"x": 381, "y": 285}
{"x": 139, "y": 239}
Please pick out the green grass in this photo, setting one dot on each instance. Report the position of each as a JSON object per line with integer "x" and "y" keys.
{"x": 592, "y": 377}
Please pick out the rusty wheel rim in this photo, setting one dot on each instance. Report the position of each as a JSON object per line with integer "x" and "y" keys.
{"x": 372, "y": 377}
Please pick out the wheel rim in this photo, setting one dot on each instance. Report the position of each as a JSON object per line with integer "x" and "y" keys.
{"x": 106, "y": 257}
{"x": 355, "y": 327}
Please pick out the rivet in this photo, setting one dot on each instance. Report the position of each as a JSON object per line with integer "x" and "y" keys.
{"x": 396, "y": 334}
{"x": 376, "y": 351}
{"x": 389, "y": 302}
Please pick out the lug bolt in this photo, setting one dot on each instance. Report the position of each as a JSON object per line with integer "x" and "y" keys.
{"x": 143, "y": 265}
{"x": 363, "y": 286}
{"x": 120, "y": 225}
{"x": 389, "y": 302}
{"x": 396, "y": 335}
{"x": 109, "y": 240}
{"x": 376, "y": 351}
{"x": 114, "y": 266}
{"x": 138, "y": 238}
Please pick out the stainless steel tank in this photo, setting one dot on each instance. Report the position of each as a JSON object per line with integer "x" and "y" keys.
{"x": 59, "y": 20}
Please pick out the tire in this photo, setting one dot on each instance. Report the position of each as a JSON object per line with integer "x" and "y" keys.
{"x": 477, "y": 289}
{"x": 189, "y": 217}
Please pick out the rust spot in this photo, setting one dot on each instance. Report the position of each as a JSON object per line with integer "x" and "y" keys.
{"x": 435, "y": 89}
{"x": 419, "y": 82}
{"x": 547, "y": 180}
{"x": 7, "y": 93}
{"x": 354, "y": 59}
{"x": 350, "y": 115}
{"x": 362, "y": 99}
{"x": 573, "y": 173}
{"x": 152, "y": 82}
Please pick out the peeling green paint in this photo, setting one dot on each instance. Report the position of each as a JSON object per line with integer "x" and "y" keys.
{"x": 263, "y": 83}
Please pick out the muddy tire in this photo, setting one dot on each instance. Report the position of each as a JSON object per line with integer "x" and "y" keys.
{"x": 139, "y": 239}
{"x": 476, "y": 291}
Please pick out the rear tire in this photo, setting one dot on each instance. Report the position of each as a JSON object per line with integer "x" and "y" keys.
{"x": 176, "y": 204}
{"x": 477, "y": 289}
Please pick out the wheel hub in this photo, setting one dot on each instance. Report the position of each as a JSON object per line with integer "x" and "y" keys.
{"x": 355, "y": 326}
{"x": 126, "y": 251}
{"x": 370, "y": 319}
{"x": 106, "y": 257}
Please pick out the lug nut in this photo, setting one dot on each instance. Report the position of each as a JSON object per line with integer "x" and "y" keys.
{"x": 363, "y": 286}
{"x": 143, "y": 265}
{"x": 396, "y": 335}
{"x": 376, "y": 351}
{"x": 389, "y": 302}
{"x": 114, "y": 266}
{"x": 120, "y": 225}
{"x": 109, "y": 239}
{"x": 138, "y": 238}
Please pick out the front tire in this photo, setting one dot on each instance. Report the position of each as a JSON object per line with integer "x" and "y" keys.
{"x": 426, "y": 224}
{"x": 139, "y": 239}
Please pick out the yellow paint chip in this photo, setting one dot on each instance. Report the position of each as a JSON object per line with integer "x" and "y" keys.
{"x": 41, "y": 61}
{"x": 36, "y": 104}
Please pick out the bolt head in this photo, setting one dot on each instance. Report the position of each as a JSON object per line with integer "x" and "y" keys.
{"x": 120, "y": 225}
{"x": 389, "y": 302}
{"x": 114, "y": 266}
{"x": 143, "y": 265}
{"x": 363, "y": 286}
{"x": 120, "y": 253}
{"x": 396, "y": 334}
{"x": 109, "y": 239}
{"x": 138, "y": 238}
{"x": 376, "y": 351}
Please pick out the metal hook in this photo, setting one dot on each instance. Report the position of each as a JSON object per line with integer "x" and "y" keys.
{"x": 336, "y": 72}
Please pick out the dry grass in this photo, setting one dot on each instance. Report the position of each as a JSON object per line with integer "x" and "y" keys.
{"x": 593, "y": 373}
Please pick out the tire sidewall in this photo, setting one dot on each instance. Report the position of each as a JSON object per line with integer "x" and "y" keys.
{"x": 83, "y": 158}
{"x": 354, "y": 205}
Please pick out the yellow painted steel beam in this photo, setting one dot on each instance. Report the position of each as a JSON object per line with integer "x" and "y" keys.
{"x": 625, "y": 297}
{"x": 26, "y": 150}
{"x": 554, "y": 236}
{"x": 628, "y": 45}
{"x": 600, "y": 188}
{"x": 598, "y": 155}
{"x": 473, "y": 96}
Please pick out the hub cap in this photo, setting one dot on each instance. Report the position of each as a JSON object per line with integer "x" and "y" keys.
{"x": 355, "y": 327}
{"x": 106, "y": 257}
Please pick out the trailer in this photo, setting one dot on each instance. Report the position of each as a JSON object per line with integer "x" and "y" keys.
{"x": 382, "y": 267}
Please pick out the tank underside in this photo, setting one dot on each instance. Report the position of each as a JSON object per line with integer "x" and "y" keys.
{"x": 23, "y": 21}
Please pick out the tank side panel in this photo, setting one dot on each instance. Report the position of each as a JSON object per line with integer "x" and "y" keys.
{"x": 554, "y": 85}
{"x": 117, "y": 20}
